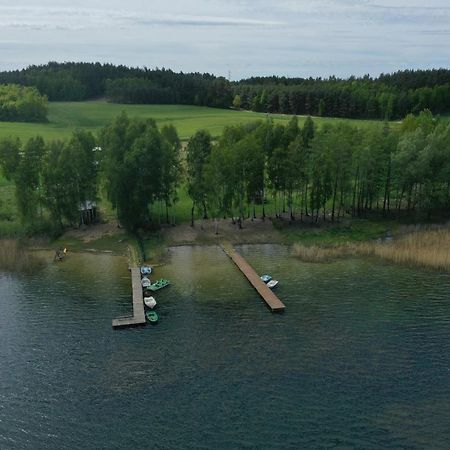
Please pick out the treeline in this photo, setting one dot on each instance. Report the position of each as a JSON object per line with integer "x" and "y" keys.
{"x": 54, "y": 180}
{"x": 354, "y": 98}
{"x": 51, "y": 179}
{"x": 83, "y": 81}
{"x": 327, "y": 173}
{"x": 22, "y": 104}
{"x": 303, "y": 173}
{"x": 390, "y": 96}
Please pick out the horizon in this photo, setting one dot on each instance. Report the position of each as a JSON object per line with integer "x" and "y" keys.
{"x": 346, "y": 78}
{"x": 288, "y": 38}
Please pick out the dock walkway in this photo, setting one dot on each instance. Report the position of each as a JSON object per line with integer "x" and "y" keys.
{"x": 138, "y": 317}
{"x": 274, "y": 303}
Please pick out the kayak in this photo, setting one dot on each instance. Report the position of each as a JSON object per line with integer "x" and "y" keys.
{"x": 266, "y": 278}
{"x": 159, "y": 284}
{"x": 272, "y": 283}
{"x": 146, "y": 270}
{"x": 152, "y": 317}
{"x": 146, "y": 282}
{"x": 150, "y": 302}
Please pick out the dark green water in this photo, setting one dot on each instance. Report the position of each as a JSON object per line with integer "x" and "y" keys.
{"x": 360, "y": 358}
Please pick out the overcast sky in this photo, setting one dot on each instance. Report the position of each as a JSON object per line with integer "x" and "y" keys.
{"x": 243, "y": 37}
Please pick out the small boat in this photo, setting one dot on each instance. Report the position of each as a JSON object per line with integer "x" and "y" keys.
{"x": 266, "y": 278}
{"x": 159, "y": 284}
{"x": 146, "y": 282}
{"x": 152, "y": 317}
{"x": 146, "y": 270}
{"x": 147, "y": 292}
{"x": 272, "y": 283}
{"x": 150, "y": 302}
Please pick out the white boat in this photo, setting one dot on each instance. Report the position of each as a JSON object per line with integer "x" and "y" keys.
{"x": 150, "y": 302}
{"x": 146, "y": 270}
{"x": 272, "y": 283}
{"x": 146, "y": 282}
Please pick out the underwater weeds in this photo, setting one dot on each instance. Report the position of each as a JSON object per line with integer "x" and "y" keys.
{"x": 428, "y": 248}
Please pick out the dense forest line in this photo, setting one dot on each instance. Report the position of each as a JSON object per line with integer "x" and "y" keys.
{"x": 390, "y": 96}
{"x": 306, "y": 173}
{"x": 22, "y": 104}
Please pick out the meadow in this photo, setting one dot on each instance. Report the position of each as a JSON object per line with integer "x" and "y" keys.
{"x": 64, "y": 117}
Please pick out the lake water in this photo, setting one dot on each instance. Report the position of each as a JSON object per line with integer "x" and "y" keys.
{"x": 360, "y": 358}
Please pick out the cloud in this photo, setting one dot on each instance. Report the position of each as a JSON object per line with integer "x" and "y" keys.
{"x": 66, "y": 18}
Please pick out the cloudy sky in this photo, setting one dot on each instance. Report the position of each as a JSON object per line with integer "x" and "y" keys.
{"x": 240, "y": 37}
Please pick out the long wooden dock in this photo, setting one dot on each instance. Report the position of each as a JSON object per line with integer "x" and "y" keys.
{"x": 273, "y": 302}
{"x": 138, "y": 317}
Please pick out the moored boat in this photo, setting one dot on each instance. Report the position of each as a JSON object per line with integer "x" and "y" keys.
{"x": 150, "y": 302}
{"x": 266, "y": 278}
{"x": 272, "y": 283}
{"x": 159, "y": 284}
{"x": 146, "y": 270}
{"x": 146, "y": 282}
{"x": 152, "y": 317}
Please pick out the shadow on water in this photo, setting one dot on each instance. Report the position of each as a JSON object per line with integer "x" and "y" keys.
{"x": 359, "y": 359}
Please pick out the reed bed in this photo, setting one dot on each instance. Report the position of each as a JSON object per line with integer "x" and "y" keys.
{"x": 319, "y": 254}
{"x": 14, "y": 258}
{"x": 427, "y": 248}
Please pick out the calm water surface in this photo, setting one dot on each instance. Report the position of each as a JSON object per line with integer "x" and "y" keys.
{"x": 360, "y": 358}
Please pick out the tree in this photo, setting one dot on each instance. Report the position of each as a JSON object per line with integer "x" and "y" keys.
{"x": 171, "y": 167}
{"x": 10, "y": 156}
{"x": 198, "y": 152}
{"x": 237, "y": 101}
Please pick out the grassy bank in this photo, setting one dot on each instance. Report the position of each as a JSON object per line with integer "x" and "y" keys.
{"x": 64, "y": 117}
{"x": 427, "y": 248}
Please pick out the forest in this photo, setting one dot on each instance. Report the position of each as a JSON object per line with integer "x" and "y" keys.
{"x": 305, "y": 173}
{"x": 389, "y": 96}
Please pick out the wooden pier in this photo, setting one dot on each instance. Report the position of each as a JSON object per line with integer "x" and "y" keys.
{"x": 273, "y": 302}
{"x": 138, "y": 317}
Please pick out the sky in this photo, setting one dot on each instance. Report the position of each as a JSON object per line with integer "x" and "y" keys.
{"x": 232, "y": 38}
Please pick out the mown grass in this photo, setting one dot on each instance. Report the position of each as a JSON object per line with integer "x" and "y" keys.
{"x": 64, "y": 117}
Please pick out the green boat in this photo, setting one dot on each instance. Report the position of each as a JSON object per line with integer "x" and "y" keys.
{"x": 159, "y": 284}
{"x": 152, "y": 317}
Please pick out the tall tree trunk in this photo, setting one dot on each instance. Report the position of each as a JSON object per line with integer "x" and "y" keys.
{"x": 387, "y": 189}
{"x": 306, "y": 198}
{"x": 192, "y": 214}
{"x": 355, "y": 188}
{"x": 334, "y": 198}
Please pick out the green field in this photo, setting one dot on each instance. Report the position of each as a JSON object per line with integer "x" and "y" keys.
{"x": 64, "y": 117}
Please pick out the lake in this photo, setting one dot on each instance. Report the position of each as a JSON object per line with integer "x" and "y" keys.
{"x": 360, "y": 358}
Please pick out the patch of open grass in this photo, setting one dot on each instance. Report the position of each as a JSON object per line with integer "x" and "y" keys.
{"x": 64, "y": 117}
{"x": 350, "y": 230}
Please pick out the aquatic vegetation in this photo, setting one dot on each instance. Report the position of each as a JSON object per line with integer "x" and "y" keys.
{"x": 427, "y": 247}
{"x": 15, "y": 258}
{"x": 319, "y": 254}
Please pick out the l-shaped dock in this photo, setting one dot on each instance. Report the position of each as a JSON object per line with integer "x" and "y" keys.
{"x": 138, "y": 317}
{"x": 273, "y": 302}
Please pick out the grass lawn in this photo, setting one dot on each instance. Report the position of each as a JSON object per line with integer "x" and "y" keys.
{"x": 64, "y": 117}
